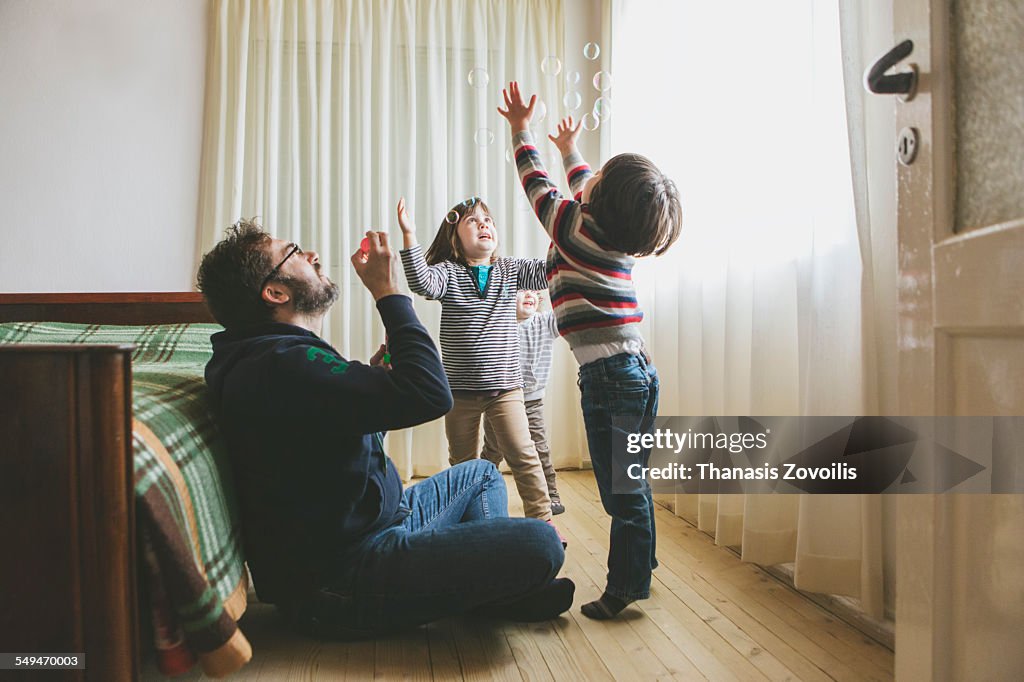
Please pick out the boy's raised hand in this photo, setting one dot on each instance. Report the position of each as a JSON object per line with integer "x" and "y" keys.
{"x": 565, "y": 140}
{"x": 517, "y": 113}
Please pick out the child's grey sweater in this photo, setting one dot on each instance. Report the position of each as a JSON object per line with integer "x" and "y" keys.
{"x": 536, "y": 338}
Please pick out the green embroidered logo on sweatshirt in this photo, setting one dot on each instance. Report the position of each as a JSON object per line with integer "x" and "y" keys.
{"x": 339, "y": 365}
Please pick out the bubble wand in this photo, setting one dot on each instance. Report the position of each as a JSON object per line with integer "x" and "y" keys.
{"x": 364, "y": 246}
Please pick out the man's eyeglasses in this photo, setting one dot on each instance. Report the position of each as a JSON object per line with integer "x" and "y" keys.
{"x": 270, "y": 275}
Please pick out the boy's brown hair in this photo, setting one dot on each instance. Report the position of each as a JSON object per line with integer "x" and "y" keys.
{"x": 636, "y": 206}
{"x": 446, "y": 244}
{"x": 230, "y": 275}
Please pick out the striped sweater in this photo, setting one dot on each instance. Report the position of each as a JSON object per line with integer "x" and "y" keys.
{"x": 479, "y": 336}
{"x": 537, "y": 334}
{"x": 591, "y": 285}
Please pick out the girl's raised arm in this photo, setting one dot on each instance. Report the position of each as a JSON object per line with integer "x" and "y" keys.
{"x": 531, "y": 274}
{"x": 429, "y": 281}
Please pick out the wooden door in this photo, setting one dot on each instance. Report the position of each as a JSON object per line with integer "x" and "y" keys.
{"x": 960, "y": 574}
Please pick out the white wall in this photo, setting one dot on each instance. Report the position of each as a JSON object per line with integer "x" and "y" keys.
{"x": 100, "y": 135}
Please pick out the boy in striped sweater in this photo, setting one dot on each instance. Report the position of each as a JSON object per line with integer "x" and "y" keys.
{"x": 537, "y": 334}
{"x": 627, "y": 209}
{"x": 479, "y": 342}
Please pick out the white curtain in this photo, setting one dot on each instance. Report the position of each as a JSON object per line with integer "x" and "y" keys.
{"x": 321, "y": 113}
{"x": 757, "y": 310}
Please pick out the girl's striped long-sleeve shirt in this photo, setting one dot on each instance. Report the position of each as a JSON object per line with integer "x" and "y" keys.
{"x": 591, "y": 284}
{"x": 479, "y": 334}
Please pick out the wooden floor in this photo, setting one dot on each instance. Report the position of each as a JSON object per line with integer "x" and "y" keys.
{"x": 709, "y": 617}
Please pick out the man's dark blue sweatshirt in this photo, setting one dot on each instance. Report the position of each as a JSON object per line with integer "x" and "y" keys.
{"x": 304, "y": 429}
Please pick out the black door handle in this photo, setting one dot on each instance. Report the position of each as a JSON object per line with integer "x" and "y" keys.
{"x": 876, "y": 80}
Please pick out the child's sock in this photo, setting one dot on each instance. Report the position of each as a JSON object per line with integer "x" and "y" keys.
{"x": 605, "y": 608}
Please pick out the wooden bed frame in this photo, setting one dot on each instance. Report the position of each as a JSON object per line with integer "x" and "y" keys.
{"x": 68, "y": 521}
{"x": 126, "y": 308}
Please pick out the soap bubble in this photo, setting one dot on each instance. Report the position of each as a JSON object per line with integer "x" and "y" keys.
{"x": 572, "y": 78}
{"x": 452, "y": 218}
{"x": 483, "y": 137}
{"x": 602, "y": 108}
{"x": 572, "y": 100}
{"x": 602, "y": 80}
{"x": 510, "y": 155}
{"x": 552, "y": 66}
{"x": 589, "y": 121}
{"x": 540, "y": 111}
{"x": 591, "y": 51}
{"x": 478, "y": 78}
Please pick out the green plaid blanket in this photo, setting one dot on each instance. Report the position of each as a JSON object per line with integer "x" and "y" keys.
{"x": 188, "y": 516}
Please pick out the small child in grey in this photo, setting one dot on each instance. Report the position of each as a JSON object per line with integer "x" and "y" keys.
{"x": 537, "y": 333}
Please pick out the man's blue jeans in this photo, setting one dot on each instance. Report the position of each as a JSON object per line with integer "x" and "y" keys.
{"x": 457, "y": 551}
{"x": 624, "y": 386}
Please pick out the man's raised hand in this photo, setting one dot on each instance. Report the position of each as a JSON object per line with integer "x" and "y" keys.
{"x": 516, "y": 112}
{"x": 377, "y": 267}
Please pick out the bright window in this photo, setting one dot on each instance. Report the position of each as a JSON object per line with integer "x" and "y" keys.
{"x": 741, "y": 103}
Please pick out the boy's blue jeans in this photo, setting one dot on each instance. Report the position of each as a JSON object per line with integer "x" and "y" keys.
{"x": 624, "y": 386}
{"x": 455, "y": 552}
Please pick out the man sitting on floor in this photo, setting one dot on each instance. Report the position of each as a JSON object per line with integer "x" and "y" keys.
{"x": 330, "y": 535}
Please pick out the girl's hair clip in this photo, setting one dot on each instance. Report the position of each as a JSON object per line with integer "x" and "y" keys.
{"x": 453, "y": 216}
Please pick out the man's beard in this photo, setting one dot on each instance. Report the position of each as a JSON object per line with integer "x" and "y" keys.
{"x": 310, "y": 298}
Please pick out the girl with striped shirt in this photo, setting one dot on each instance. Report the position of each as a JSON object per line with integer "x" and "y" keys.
{"x": 479, "y": 338}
